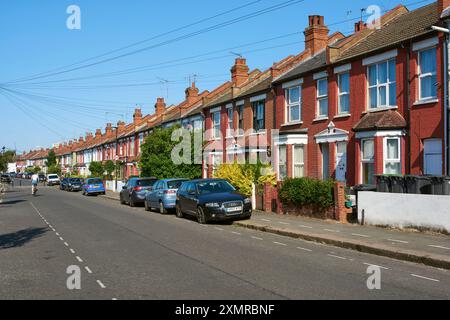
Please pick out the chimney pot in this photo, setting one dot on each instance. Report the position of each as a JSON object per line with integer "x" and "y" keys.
{"x": 359, "y": 26}
{"x": 192, "y": 93}
{"x": 137, "y": 116}
{"x": 239, "y": 72}
{"x": 160, "y": 107}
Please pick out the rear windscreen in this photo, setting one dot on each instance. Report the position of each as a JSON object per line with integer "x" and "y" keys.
{"x": 145, "y": 183}
{"x": 175, "y": 184}
{"x": 95, "y": 181}
{"x": 53, "y": 177}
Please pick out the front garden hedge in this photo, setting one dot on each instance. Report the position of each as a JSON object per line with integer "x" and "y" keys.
{"x": 307, "y": 192}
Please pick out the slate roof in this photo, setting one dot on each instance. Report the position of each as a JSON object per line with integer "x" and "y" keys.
{"x": 381, "y": 120}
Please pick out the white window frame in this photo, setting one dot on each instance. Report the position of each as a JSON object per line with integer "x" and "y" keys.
{"x": 290, "y": 105}
{"x": 296, "y": 163}
{"x": 258, "y": 116}
{"x": 378, "y": 85}
{"x": 320, "y": 98}
{"x": 230, "y": 121}
{"x": 366, "y": 161}
{"x": 385, "y": 153}
{"x": 340, "y": 94}
{"x": 240, "y": 117}
{"x": 216, "y": 126}
{"x": 425, "y": 75}
{"x": 280, "y": 178}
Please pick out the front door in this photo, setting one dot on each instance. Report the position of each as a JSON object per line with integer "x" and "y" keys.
{"x": 341, "y": 161}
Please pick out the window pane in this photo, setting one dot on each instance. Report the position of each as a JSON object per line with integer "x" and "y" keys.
{"x": 392, "y": 94}
{"x": 368, "y": 173}
{"x": 298, "y": 154}
{"x": 428, "y": 87}
{"x": 382, "y": 72}
{"x": 344, "y": 82}
{"x": 323, "y": 107}
{"x": 372, "y": 75}
{"x": 368, "y": 149}
{"x": 294, "y": 95}
{"x": 382, "y": 96}
{"x": 373, "y": 97}
{"x": 299, "y": 171}
{"x": 322, "y": 87}
{"x": 392, "y": 70}
{"x": 428, "y": 61}
{"x": 344, "y": 104}
{"x": 392, "y": 168}
{"x": 294, "y": 113}
{"x": 392, "y": 151}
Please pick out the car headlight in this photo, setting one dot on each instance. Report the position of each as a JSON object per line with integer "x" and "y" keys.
{"x": 247, "y": 201}
{"x": 212, "y": 205}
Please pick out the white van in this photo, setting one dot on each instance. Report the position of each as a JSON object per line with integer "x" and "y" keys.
{"x": 53, "y": 180}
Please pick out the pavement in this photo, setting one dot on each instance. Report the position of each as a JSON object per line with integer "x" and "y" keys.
{"x": 428, "y": 248}
{"x": 127, "y": 253}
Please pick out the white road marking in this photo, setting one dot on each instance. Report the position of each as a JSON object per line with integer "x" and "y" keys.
{"x": 307, "y": 227}
{"x": 360, "y": 235}
{"x": 57, "y": 234}
{"x": 374, "y": 265}
{"x": 337, "y": 257}
{"x": 50, "y": 226}
{"x": 88, "y": 270}
{"x": 73, "y": 251}
{"x": 439, "y": 247}
{"x": 220, "y": 229}
{"x": 256, "y": 238}
{"x": 285, "y": 223}
{"x": 399, "y": 241}
{"x": 66, "y": 244}
{"x": 425, "y": 278}
{"x": 331, "y": 230}
{"x": 79, "y": 259}
{"x": 304, "y": 249}
{"x": 280, "y": 244}
{"x": 61, "y": 238}
{"x": 266, "y": 220}
{"x": 236, "y": 233}
{"x": 101, "y": 284}
{"x": 114, "y": 299}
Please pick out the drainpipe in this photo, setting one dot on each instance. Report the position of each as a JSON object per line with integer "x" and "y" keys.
{"x": 408, "y": 110}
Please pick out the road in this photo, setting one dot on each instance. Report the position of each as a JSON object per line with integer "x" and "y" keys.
{"x": 126, "y": 253}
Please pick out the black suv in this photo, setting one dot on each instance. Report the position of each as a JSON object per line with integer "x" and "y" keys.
{"x": 5, "y": 178}
{"x": 135, "y": 190}
{"x": 212, "y": 200}
{"x": 74, "y": 184}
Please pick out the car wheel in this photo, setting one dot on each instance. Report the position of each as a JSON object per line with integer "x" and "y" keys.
{"x": 201, "y": 216}
{"x": 131, "y": 202}
{"x": 147, "y": 208}
{"x": 179, "y": 213}
{"x": 162, "y": 210}
{"x": 121, "y": 200}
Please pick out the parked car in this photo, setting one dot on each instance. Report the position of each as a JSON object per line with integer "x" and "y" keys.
{"x": 63, "y": 183}
{"x": 93, "y": 186}
{"x": 27, "y": 175}
{"x": 163, "y": 195}
{"x": 74, "y": 184}
{"x": 53, "y": 180}
{"x": 42, "y": 178}
{"x": 212, "y": 200}
{"x": 5, "y": 178}
{"x": 135, "y": 190}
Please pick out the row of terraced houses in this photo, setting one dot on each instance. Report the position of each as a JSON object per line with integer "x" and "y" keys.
{"x": 346, "y": 108}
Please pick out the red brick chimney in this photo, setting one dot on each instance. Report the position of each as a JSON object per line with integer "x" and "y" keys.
{"x": 316, "y": 34}
{"x": 81, "y": 140}
{"x": 360, "y": 26}
{"x": 89, "y": 137}
{"x": 160, "y": 107}
{"x": 239, "y": 72}
{"x": 137, "y": 116}
{"x": 442, "y": 5}
{"x": 108, "y": 129}
{"x": 120, "y": 126}
{"x": 192, "y": 93}
{"x": 98, "y": 133}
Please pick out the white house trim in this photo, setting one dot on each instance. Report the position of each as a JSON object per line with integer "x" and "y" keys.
{"x": 214, "y": 110}
{"x": 344, "y": 68}
{"x": 380, "y": 57}
{"x": 320, "y": 75}
{"x": 331, "y": 134}
{"x": 240, "y": 103}
{"x": 293, "y": 83}
{"x": 229, "y": 106}
{"x": 372, "y": 134}
{"x": 427, "y": 43}
{"x": 258, "y": 98}
{"x": 289, "y": 139}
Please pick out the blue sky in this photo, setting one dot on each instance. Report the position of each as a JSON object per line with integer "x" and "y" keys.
{"x": 34, "y": 39}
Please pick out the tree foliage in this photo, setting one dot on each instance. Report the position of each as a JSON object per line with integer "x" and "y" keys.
{"x": 97, "y": 170}
{"x": 110, "y": 167}
{"x": 51, "y": 159}
{"x": 156, "y": 160}
{"x": 5, "y": 158}
{"x": 307, "y": 192}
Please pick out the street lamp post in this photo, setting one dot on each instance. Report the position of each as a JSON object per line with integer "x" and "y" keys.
{"x": 116, "y": 158}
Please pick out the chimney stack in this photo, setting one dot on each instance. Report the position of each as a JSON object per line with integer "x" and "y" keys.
{"x": 442, "y": 5}
{"x": 137, "y": 116}
{"x": 360, "y": 26}
{"x": 89, "y": 137}
{"x": 108, "y": 129}
{"x": 316, "y": 34}
{"x": 98, "y": 133}
{"x": 239, "y": 72}
{"x": 120, "y": 126}
{"x": 81, "y": 140}
{"x": 192, "y": 94}
{"x": 160, "y": 107}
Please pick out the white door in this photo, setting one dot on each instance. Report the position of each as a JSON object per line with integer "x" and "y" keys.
{"x": 432, "y": 156}
{"x": 341, "y": 161}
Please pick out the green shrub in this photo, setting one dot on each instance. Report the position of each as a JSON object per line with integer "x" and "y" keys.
{"x": 307, "y": 192}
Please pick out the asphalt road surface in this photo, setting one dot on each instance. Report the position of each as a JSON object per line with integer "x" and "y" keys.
{"x": 127, "y": 253}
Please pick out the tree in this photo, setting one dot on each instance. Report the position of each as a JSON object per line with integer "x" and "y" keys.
{"x": 5, "y": 158}
{"x": 156, "y": 160}
{"x": 51, "y": 159}
{"x": 110, "y": 167}
{"x": 55, "y": 169}
{"x": 97, "y": 170}
{"x": 36, "y": 170}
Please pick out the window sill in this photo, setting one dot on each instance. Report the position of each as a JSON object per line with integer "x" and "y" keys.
{"x": 381, "y": 109}
{"x": 258, "y": 133}
{"x": 320, "y": 119}
{"x": 344, "y": 115}
{"x": 427, "y": 101}
{"x": 296, "y": 123}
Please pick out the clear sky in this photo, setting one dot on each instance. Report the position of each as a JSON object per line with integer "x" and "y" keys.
{"x": 34, "y": 39}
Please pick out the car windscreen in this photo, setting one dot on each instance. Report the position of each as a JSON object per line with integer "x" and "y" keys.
{"x": 75, "y": 180}
{"x": 53, "y": 177}
{"x": 175, "y": 184}
{"x": 145, "y": 183}
{"x": 220, "y": 186}
{"x": 95, "y": 181}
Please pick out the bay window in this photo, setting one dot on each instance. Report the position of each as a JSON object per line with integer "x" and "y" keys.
{"x": 299, "y": 161}
{"x": 382, "y": 84}
{"x": 368, "y": 161}
{"x": 392, "y": 162}
{"x": 293, "y": 104}
{"x": 344, "y": 93}
{"x": 322, "y": 98}
{"x": 427, "y": 74}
